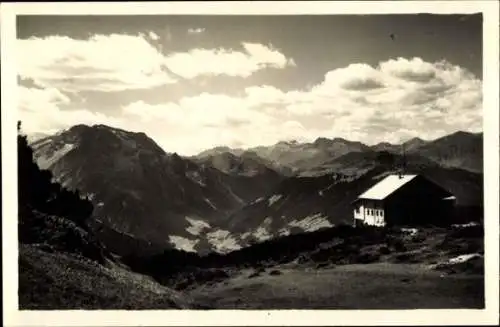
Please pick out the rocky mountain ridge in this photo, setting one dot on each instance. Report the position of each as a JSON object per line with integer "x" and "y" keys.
{"x": 225, "y": 199}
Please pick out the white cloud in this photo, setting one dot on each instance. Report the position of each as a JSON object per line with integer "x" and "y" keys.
{"x": 221, "y": 61}
{"x": 103, "y": 62}
{"x": 197, "y": 30}
{"x": 120, "y": 62}
{"x": 199, "y": 122}
{"x": 40, "y": 111}
{"x": 393, "y": 101}
{"x": 413, "y": 70}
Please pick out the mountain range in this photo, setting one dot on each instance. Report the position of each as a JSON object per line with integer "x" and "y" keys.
{"x": 223, "y": 199}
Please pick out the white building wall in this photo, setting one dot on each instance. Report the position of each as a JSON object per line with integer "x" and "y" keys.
{"x": 370, "y": 216}
{"x": 358, "y": 213}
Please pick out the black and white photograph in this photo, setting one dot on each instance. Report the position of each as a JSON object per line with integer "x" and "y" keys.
{"x": 252, "y": 162}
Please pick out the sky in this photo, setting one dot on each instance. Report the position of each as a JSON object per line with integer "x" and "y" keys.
{"x": 196, "y": 82}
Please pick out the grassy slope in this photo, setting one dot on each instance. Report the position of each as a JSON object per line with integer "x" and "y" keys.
{"x": 62, "y": 281}
{"x": 370, "y": 286}
{"x": 369, "y": 269}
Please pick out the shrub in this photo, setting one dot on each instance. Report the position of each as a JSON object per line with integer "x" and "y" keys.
{"x": 384, "y": 250}
{"x": 476, "y": 231}
{"x": 302, "y": 259}
{"x": 406, "y": 258}
{"x": 254, "y": 274}
{"x": 419, "y": 238}
{"x": 368, "y": 257}
{"x": 398, "y": 245}
{"x": 322, "y": 265}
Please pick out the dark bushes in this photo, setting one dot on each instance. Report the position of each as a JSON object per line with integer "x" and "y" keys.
{"x": 37, "y": 191}
{"x": 384, "y": 250}
{"x": 50, "y": 214}
{"x": 368, "y": 257}
{"x": 476, "y": 231}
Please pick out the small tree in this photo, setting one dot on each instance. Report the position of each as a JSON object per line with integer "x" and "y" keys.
{"x": 37, "y": 191}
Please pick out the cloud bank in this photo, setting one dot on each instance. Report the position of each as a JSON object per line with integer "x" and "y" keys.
{"x": 395, "y": 100}
{"x": 119, "y": 62}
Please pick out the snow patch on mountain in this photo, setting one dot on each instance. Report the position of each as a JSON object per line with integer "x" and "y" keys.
{"x": 267, "y": 221}
{"x": 210, "y": 203}
{"x": 470, "y": 224}
{"x": 196, "y": 226}
{"x": 195, "y": 177}
{"x": 182, "y": 243}
{"x": 284, "y": 231}
{"x": 262, "y": 233}
{"x": 463, "y": 258}
{"x": 311, "y": 223}
{"x": 245, "y": 236}
{"x": 222, "y": 241}
{"x": 273, "y": 199}
{"x": 44, "y": 162}
{"x": 41, "y": 143}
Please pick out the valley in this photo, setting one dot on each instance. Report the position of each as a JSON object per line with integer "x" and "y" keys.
{"x": 222, "y": 200}
{"x": 251, "y": 229}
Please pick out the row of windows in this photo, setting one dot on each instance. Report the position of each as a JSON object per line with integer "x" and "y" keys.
{"x": 375, "y": 212}
{"x": 372, "y": 212}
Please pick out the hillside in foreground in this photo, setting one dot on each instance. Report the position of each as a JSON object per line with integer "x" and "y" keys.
{"x": 62, "y": 265}
{"x": 336, "y": 268}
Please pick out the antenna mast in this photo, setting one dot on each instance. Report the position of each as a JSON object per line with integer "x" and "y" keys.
{"x": 403, "y": 164}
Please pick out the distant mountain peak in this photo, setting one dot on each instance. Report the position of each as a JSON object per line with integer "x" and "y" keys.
{"x": 322, "y": 141}
{"x": 288, "y": 142}
{"x": 415, "y": 139}
{"x": 217, "y": 151}
{"x": 460, "y": 149}
{"x": 413, "y": 144}
{"x": 175, "y": 156}
{"x": 340, "y": 139}
{"x": 222, "y": 148}
{"x": 463, "y": 134}
{"x": 385, "y": 144}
